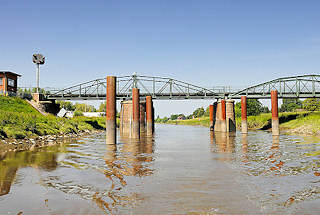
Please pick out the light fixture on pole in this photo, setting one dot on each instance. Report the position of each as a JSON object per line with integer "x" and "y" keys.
{"x": 38, "y": 59}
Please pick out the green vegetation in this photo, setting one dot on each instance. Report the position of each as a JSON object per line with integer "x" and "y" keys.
{"x": 311, "y": 104}
{"x": 254, "y": 108}
{"x": 289, "y": 105}
{"x": 76, "y": 107}
{"x": 305, "y": 124}
{"x": 19, "y": 120}
{"x": 262, "y": 121}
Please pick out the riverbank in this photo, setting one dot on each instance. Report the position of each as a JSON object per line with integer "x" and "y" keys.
{"x": 16, "y": 145}
{"x": 307, "y": 123}
{"x": 22, "y": 127}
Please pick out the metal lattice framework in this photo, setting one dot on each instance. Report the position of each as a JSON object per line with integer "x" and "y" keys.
{"x": 157, "y": 87}
{"x": 305, "y": 86}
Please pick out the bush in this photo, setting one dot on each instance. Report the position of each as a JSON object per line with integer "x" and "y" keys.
{"x": 78, "y": 113}
{"x": 311, "y": 104}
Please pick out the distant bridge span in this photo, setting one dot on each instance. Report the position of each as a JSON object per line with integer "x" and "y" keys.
{"x": 304, "y": 86}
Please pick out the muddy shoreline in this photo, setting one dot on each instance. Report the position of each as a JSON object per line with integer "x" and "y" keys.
{"x": 16, "y": 145}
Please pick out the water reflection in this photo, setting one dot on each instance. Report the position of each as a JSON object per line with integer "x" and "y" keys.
{"x": 131, "y": 157}
{"x": 238, "y": 172}
{"x": 244, "y": 147}
{"x": 12, "y": 161}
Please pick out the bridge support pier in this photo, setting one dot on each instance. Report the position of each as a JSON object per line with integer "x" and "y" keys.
{"x": 142, "y": 117}
{"x": 217, "y": 124}
{"x": 111, "y": 110}
{"x": 230, "y": 116}
{"x": 244, "y": 123}
{"x": 135, "y": 113}
{"x": 149, "y": 115}
{"x": 275, "y": 114}
{"x": 126, "y": 114}
{"x": 223, "y": 124}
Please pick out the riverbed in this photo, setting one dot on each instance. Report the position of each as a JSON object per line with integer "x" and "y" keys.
{"x": 180, "y": 170}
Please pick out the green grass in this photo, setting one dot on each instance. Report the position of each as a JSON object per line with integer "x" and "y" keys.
{"x": 19, "y": 120}
{"x": 309, "y": 123}
{"x": 203, "y": 121}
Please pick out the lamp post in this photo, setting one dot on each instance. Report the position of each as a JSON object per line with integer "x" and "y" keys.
{"x": 38, "y": 59}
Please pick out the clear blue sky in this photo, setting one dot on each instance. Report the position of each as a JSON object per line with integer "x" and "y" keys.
{"x": 207, "y": 43}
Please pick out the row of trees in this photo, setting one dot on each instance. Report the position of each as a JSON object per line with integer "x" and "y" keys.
{"x": 310, "y": 104}
{"x": 81, "y": 107}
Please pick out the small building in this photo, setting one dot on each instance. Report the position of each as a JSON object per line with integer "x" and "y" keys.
{"x": 8, "y": 83}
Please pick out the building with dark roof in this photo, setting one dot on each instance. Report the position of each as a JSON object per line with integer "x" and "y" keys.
{"x": 8, "y": 83}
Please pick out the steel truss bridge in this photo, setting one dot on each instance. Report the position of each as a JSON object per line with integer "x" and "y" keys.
{"x": 304, "y": 86}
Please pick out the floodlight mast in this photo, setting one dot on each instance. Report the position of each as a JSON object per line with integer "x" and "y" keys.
{"x": 38, "y": 77}
{"x": 38, "y": 59}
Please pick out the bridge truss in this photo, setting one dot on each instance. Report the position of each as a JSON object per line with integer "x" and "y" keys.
{"x": 157, "y": 87}
{"x": 305, "y": 86}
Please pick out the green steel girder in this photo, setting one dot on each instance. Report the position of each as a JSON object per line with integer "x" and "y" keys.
{"x": 304, "y": 86}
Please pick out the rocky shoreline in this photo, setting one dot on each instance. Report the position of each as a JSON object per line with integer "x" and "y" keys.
{"x": 15, "y": 145}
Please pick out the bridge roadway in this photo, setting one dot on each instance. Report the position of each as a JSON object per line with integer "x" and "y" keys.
{"x": 304, "y": 86}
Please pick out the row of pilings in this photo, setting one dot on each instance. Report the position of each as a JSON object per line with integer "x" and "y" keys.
{"x": 135, "y": 116}
{"x": 222, "y": 115}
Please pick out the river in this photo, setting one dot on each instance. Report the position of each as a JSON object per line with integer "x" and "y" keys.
{"x": 181, "y": 170}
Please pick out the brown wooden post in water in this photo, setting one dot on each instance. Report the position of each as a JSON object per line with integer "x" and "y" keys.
{"x": 275, "y": 115}
{"x": 244, "y": 123}
{"x": 135, "y": 113}
{"x": 211, "y": 115}
{"x": 149, "y": 115}
{"x": 223, "y": 116}
{"x": 111, "y": 128}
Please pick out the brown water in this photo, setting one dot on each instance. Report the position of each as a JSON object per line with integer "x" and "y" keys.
{"x": 181, "y": 170}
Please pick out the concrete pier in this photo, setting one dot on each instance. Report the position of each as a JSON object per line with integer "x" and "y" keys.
{"x": 126, "y": 117}
{"x": 217, "y": 124}
{"x": 275, "y": 115}
{"x": 211, "y": 117}
{"x": 149, "y": 117}
{"x": 223, "y": 124}
{"x": 135, "y": 113}
{"x": 230, "y": 116}
{"x": 244, "y": 123}
{"x": 111, "y": 110}
{"x": 142, "y": 117}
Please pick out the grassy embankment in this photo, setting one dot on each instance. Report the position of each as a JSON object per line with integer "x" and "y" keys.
{"x": 297, "y": 122}
{"x": 19, "y": 120}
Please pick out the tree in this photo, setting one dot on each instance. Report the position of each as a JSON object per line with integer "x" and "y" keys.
{"x": 290, "y": 105}
{"x": 207, "y": 113}
{"x": 84, "y": 107}
{"x": 254, "y": 108}
{"x": 174, "y": 116}
{"x": 198, "y": 112}
{"x": 102, "y": 107}
{"x": 311, "y": 104}
{"x": 67, "y": 105}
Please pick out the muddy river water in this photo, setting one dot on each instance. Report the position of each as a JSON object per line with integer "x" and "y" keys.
{"x": 181, "y": 170}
